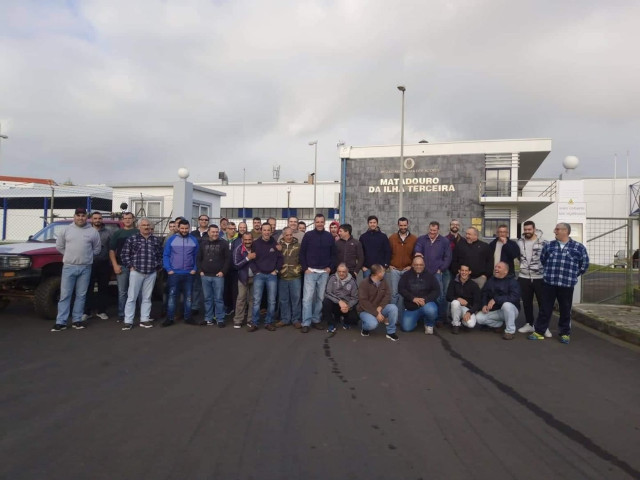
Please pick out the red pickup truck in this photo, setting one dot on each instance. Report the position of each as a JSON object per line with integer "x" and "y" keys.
{"x": 32, "y": 269}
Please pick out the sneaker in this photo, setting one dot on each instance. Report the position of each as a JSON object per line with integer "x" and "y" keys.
{"x": 304, "y": 329}
{"x": 85, "y": 317}
{"x": 455, "y": 329}
{"x": 364, "y": 333}
{"x": 237, "y": 325}
{"x": 526, "y": 328}
{"x": 565, "y": 339}
{"x": 346, "y": 326}
{"x": 331, "y": 329}
{"x": 548, "y": 333}
{"x": 428, "y": 330}
{"x": 252, "y": 328}
{"x": 209, "y": 322}
{"x": 127, "y": 326}
{"x": 535, "y": 336}
{"x": 146, "y": 324}
{"x": 79, "y": 325}
{"x": 102, "y": 316}
{"x": 270, "y": 327}
{"x": 508, "y": 336}
{"x": 393, "y": 337}
{"x": 221, "y": 325}
{"x": 167, "y": 323}
{"x": 58, "y": 328}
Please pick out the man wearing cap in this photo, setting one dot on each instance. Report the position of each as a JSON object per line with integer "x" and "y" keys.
{"x": 78, "y": 243}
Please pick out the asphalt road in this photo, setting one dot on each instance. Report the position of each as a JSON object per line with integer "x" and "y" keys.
{"x": 206, "y": 403}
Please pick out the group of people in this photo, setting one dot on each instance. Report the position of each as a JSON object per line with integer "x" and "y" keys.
{"x": 309, "y": 279}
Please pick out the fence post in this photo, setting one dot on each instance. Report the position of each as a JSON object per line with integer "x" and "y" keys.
{"x": 89, "y": 204}
{"x": 4, "y": 219}
{"x": 46, "y": 207}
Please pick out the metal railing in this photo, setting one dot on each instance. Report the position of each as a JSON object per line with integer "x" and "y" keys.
{"x": 520, "y": 188}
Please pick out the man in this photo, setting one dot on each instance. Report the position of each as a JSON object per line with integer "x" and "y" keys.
{"x": 142, "y": 256}
{"x": 374, "y": 307}
{"x": 302, "y": 226}
{"x": 213, "y": 264}
{"x": 317, "y": 257}
{"x": 242, "y": 229}
{"x": 172, "y": 229}
{"x": 563, "y": 261}
{"x": 257, "y": 228}
{"x": 115, "y": 247}
{"x": 504, "y": 249}
{"x": 203, "y": 227}
{"x": 231, "y": 277}
{"x": 436, "y": 252}
{"x": 454, "y": 237}
{"x": 179, "y": 260}
{"x": 340, "y": 300}
{"x": 402, "y": 244}
{"x": 530, "y": 275}
{"x": 333, "y": 230}
{"x": 292, "y": 223}
{"x": 420, "y": 290}
{"x": 465, "y": 299}
{"x": 475, "y": 254}
{"x": 375, "y": 245}
{"x": 267, "y": 264}
{"x": 500, "y": 298}
{"x": 78, "y": 243}
{"x": 224, "y": 223}
{"x": 290, "y": 283}
{"x": 199, "y": 233}
{"x": 349, "y": 251}
{"x": 274, "y": 233}
{"x": 243, "y": 258}
{"x": 100, "y": 273}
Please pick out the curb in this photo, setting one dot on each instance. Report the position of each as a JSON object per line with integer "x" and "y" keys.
{"x": 607, "y": 326}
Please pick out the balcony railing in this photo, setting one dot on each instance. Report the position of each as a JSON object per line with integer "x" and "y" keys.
{"x": 522, "y": 188}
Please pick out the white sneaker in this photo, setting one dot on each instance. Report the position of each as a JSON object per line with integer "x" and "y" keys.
{"x": 84, "y": 317}
{"x": 548, "y": 333}
{"x": 526, "y": 328}
{"x": 428, "y": 330}
{"x": 102, "y": 316}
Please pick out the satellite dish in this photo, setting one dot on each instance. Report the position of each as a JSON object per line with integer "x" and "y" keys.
{"x": 570, "y": 163}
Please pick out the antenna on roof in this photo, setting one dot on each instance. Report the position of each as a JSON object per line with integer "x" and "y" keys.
{"x": 276, "y": 172}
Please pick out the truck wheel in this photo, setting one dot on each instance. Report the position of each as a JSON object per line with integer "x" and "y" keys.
{"x": 46, "y": 298}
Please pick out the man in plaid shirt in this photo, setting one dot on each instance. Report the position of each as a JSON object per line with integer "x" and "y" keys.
{"x": 142, "y": 256}
{"x": 564, "y": 260}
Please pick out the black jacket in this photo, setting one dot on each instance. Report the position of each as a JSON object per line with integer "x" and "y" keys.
{"x": 501, "y": 290}
{"x": 510, "y": 251}
{"x": 376, "y": 248}
{"x": 213, "y": 257}
{"x": 412, "y": 286}
{"x": 477, "y": 256}
{"x": 469, "y": 290}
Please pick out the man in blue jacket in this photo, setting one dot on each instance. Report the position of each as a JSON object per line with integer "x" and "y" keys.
{"x": 317, "y": 257}
{"x": 179, "y": 260}
{"x": 376, "y": 247}
{"x": 267, "y": 264}
{"x": 501, "y": 301}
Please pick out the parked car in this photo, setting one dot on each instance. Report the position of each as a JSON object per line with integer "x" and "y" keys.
{"x": 32, "y": 269}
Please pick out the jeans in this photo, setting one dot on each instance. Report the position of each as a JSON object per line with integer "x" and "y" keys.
{"x": 394, "y": 278}
{"x": 123, "y": 289}
{"x": 315, "y": 285}
{"x": 196, "y": 295}
{"x": 139, "y": 284}
{"x": 529, "y": 288}
{"x": 441, "y": 300}
{"x": 428, "y": 312}
{"x": 213, "y": 290}
{"x": 390, "y": 311}
{"x": 74, "y": 277}
{"x": 550, "y": 293}
{"x": 179, "y": 282}
{"x": 290, "y": 307}
{"x": 494, "y": 319}
{"x": 457, "y": 312}
{"x": 260, "y": 282}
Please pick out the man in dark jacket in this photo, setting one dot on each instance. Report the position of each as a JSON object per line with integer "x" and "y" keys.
{"x": 340, "y": 299}
{"x": 465, "y": 299}
{"x": 213, "y": 264}
{"x": 374, "y": 304}
{"x": 420, "y": 291}
{"x": 375, "y": 245}
{"x": 501, "y": 301}
{"x": 476, "y": 254}
{"x": 504, "y": 249}
{"x": 267, "y": 264}
{"x": 349, "y": 250}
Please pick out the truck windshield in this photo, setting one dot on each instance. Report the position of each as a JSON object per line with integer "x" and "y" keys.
{"x": 49, "y": 233}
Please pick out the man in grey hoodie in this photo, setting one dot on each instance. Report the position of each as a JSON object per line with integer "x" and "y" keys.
{"x": 78, "y": 243}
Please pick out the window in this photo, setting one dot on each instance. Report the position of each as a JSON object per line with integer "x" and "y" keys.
{"x": 498, "y": 182}
{"x": 146, "y": 208}
{"x": 198, "y": 209}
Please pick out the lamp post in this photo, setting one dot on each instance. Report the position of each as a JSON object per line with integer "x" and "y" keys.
{"x": 400, "y": 206}
{"x": 315, "y": 173}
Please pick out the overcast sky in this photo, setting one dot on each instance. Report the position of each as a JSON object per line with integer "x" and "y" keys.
{"x": 129, "y": 91}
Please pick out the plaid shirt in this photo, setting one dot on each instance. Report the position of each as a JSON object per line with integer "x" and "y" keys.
{"x": 563, "y": 266}
{"x": 143, "y": 254}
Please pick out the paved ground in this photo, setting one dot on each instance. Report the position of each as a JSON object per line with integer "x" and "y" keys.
{"x": 201, "y": 402}
{"x": 620, "y": 321}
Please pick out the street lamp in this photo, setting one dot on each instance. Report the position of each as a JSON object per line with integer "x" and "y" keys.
{"x": 402, "y": 89}
{"x": 315, "y": 173}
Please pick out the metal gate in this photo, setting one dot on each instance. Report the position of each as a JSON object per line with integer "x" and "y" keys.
{"x": 611, "y": 246}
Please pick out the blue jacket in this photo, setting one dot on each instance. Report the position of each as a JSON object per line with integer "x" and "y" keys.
{"x": 501, "y": 290}
{"x": 376, "y": 248}
{"x": 318, "y": 250}
{"x": 180, "y": 254}
{"x": 436, "y": 254}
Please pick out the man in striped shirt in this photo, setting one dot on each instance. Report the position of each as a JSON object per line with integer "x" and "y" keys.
{"x": 564, "y": 260}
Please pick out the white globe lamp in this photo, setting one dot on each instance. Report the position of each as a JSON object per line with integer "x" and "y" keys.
{"x": 183, "y": 173}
